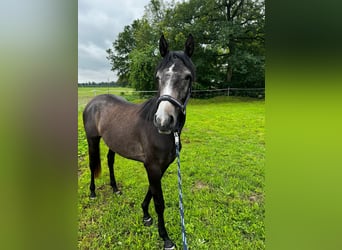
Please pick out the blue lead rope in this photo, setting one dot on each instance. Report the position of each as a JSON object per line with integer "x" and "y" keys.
{"x": 181, "y": 208}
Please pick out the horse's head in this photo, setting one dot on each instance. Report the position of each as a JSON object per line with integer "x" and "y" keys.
{"x": 174, "y": 75}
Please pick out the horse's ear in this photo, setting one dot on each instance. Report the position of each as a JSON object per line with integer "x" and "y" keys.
{"x": 189, "y": 46}
{"x": 163, "y": 46}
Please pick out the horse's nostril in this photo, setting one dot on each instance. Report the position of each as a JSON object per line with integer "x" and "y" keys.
{"x": 171, "y": 120}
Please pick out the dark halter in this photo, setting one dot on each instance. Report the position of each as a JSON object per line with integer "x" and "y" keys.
{"x": 175, "y": 101}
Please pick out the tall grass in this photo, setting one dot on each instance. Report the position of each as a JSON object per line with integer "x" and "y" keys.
{"x": 222, "y": 162}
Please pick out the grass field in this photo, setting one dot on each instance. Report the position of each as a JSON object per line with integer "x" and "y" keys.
{"x": 222, "y": 163}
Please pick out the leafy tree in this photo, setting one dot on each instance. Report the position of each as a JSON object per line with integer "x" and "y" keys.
{"x": 142, "y": 68}
{"x": 119, "y": 57}
{"x": 230, "y": 40}
{"x": 134, "y": 56}
{"x": 229, "y": 36}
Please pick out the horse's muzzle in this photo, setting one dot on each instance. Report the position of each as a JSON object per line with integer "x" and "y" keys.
{"x": 164, "y": 124}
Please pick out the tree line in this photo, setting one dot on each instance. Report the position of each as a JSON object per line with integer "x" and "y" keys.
{"x": 229, "y": 42}
{"x": 102, "y": 84}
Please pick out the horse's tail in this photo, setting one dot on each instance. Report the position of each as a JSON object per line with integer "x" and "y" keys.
{"x": 94, "y": 156}
{"x": 97, "y": 170}
{"x": 93, "y": 138}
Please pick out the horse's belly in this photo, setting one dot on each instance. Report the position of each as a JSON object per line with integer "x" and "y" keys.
{"x": 128, "y": 149}
{"x": 133, "y": 152}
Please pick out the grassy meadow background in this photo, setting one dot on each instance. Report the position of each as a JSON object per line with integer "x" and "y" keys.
{"x": 223, "y": 174}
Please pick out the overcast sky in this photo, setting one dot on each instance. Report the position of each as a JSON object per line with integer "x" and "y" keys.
{"x": 99, "y": 23}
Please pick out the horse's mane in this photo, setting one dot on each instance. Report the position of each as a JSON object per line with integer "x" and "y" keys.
{"x": 148, "y": 109}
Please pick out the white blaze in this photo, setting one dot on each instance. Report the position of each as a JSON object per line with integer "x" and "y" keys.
{"x": 168, "y": 88}
{"x": 165, "y": 108}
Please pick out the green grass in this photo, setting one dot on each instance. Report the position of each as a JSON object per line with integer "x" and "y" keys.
{"x": 86, "y": 93}
{"x": 222, "y": 163}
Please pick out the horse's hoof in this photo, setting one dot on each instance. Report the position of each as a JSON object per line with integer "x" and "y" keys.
{"x": 117, "y": 192}
{"x": 92, "y": 195}
{"x": 169, "y": 245}
{"x": 148, "y": 221}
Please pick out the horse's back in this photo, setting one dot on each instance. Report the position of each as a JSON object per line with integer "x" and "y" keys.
{"x": 97, "y": 107}
{"x": 105, "y": 99}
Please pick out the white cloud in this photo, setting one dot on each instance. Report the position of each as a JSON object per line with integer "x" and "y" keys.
{"x": 91, "y": 51}
{"x": 99, "y": 23}
{"x": 98, "y": 75}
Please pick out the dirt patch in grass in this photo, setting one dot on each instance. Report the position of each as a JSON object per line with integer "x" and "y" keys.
{"x": 200, "y": 185}
{"x": 254, "y": 197}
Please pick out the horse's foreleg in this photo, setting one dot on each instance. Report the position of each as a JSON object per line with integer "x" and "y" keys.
{"x": 111, "y": 159}
{"x": 154, "y": 176}
{"x": 147, "y": 219}
{"x": 92, "y": 185}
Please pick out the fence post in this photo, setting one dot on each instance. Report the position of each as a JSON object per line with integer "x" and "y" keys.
{"x": 228, "y": 91}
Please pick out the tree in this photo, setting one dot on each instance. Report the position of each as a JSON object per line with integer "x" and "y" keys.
{"x": 230, "y": 39}
{"x": 142, "y": 68}
{"x": 229, "y": 36}
{"x": 119, "y": 55}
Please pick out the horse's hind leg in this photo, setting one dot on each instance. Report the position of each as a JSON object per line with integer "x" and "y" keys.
{"x": 94, "y": 162}
{"x": 111, "y": 159}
